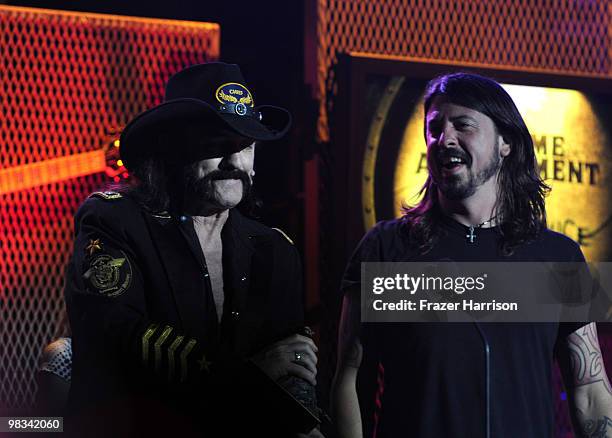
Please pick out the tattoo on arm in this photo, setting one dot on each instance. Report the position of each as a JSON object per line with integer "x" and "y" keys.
{"x": 582, "y": 365}
{"x": 586, "y": 361}
{"x": 598, "y": 428}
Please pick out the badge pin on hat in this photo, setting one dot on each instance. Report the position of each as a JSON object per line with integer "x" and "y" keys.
{"x": 201, "y": 102}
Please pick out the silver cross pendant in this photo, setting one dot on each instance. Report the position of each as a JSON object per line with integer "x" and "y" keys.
{"x": 471, "y": 236}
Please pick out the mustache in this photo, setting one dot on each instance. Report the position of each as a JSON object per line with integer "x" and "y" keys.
{"x": 202, "y": 186}
{"x": 227, "y": 174}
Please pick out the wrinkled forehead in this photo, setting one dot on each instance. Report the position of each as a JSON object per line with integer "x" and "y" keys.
{"x": 442, "y": 108}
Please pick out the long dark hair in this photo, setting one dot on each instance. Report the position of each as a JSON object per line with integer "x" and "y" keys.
{"x": 157, "y": 184}
{"x": 520, "y": 205}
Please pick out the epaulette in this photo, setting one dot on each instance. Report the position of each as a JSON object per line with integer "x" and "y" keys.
{"x": 107, "y": 195}
{"x": 284, "y": 235}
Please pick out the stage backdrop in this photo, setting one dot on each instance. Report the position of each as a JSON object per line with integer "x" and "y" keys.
{"x": 380, "y": 154}
{"x": 70, "y": 82}
{"x": 557, "y": 35}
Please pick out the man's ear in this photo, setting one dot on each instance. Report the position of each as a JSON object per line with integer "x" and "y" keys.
{"x": 504, "y": 147}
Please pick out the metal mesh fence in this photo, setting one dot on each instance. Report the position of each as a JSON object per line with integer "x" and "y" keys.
{"x": 70, "y": 81}
{"x": 553, "y": 35}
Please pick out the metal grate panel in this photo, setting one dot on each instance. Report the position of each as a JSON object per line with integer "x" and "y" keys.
{"x": 70, "y": 81}
{"x": 552, "y": 35}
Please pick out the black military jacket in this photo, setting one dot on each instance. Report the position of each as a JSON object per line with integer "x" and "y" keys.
{"x": 150, "y": 357}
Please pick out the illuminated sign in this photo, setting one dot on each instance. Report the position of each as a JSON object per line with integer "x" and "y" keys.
{"x": 572, "y": 146}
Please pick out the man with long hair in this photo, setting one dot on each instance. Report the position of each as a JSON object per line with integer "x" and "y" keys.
{"x": 483, "y": 201}
{"x": 187, "y": 316}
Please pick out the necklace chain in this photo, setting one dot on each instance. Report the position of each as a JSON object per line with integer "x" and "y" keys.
{"x": 485, "y": 222}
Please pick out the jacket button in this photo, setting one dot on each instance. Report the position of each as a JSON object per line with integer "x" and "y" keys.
{"x": 243, "y": 278}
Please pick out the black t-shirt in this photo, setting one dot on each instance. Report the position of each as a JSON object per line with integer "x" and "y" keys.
{"x": 435, "y": 374}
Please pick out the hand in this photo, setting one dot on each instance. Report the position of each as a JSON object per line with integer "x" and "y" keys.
{"x": 281, "y": 359}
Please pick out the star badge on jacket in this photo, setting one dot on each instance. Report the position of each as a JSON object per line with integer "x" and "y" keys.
{"x": 106, "y": 271}
{"x": 93, "y": 246}
{"x": 204, "y": 364}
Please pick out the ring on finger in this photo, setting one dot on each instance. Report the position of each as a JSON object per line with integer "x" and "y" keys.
{"x": 298, "y": 357}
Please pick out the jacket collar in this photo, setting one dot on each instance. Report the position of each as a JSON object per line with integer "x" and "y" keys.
{"x": 182, "y": 271}
{"x": 181, "y": 254}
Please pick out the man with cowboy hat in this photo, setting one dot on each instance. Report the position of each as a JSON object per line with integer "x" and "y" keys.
{"x": 186, "y": 315}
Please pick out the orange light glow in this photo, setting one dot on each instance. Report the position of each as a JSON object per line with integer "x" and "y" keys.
{"x": 51, "y": 171}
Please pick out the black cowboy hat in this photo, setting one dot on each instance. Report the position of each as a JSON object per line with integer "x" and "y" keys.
{"x": 202, "y": 102}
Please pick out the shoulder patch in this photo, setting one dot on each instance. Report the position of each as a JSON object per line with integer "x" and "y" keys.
{"x": 284, "y": 235}
{"x": 106, "y": 195}
{"x": 106, "y": 270}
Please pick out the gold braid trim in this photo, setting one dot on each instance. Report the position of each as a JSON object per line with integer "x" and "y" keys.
{"x": 162, "y": 338}
{"x": 175, "y": 344}
{"x": 246, "y": 100}
{"x": 284, "y": 235}
{"x": 145, "y": 342}
{"x": 227, "y": 97}
{"x": 184, "y": 354}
